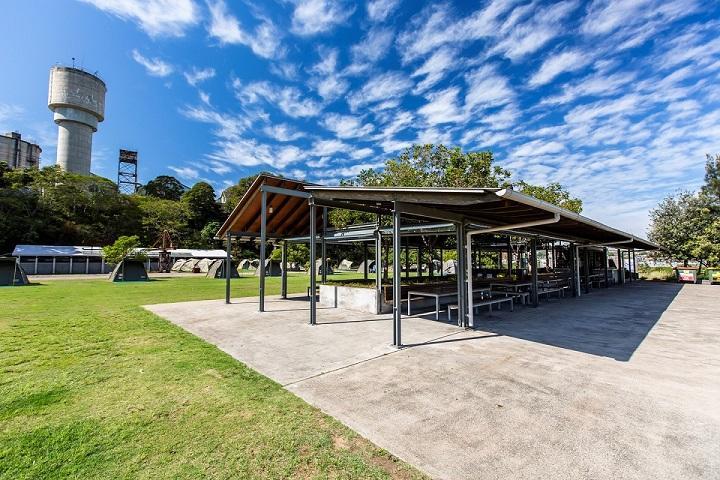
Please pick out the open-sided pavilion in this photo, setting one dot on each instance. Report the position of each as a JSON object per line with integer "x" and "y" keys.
{"x": 284, "y": 210}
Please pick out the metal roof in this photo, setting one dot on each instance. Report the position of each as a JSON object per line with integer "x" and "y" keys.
{"x": 478, "y": 207}
{"x": 56, "y": 251}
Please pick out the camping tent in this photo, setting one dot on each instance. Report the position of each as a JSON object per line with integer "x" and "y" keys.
{"x": 129, "y": 270}
{"x": 217, "y": 270}
{"x": 245, "y": 264}
{"x": 449, "y": 267}
{"x": 272, "y": 269}
{"x": 204, "y": 265}
{"x": 318, "y": 267}
{"x": 371, "y": 267}
{"x": 346, "y": 265}
{"x": 11, "y": 273}
{"x": 178, "y": 265}
{"x": 190, "y": 265}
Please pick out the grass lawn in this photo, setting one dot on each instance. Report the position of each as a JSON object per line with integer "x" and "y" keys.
{"x": 94, "y": 386}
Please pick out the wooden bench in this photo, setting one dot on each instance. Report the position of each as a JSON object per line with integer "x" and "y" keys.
{"x": 547, "y": 291}
{"x": 523, "y": 296}
{"x": 485, "y": 303}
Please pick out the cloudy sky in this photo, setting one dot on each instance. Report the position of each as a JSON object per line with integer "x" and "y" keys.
{"x": 617, "y": 100}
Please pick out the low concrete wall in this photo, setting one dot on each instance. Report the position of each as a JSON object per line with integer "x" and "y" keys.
{"x": 364, "y": 299}
{"x": 350, "y": 298}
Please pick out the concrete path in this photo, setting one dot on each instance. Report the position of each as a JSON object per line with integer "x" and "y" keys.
{"x": 622, "y": 383}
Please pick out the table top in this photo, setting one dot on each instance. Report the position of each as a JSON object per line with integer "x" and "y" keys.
{"x": 420, "y": 293}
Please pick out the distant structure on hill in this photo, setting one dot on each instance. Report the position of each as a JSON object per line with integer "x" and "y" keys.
{"x": 77, "y": 99}
{"x": 18, "y": 153}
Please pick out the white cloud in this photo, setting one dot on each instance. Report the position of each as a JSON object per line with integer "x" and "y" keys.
{"x": 155, "y": 17}
{"x": 282, "y": 132}
{"x": 346, "y": 126}
{"x": 153, "y": 66}
{"x": 567, "y": 61}
{"x": 435, "y": 68}
{"x": 265, "y": 41}
{"x": 9, "y": 112}
{"x": 537, "y": 148}
{"x": 322, "y": 148}
{"x": 442, "y": 107}
{"x": 361, "y": 153}
{"x": 288, "y": 99}
{"x": 187, "y": 173}
{"x": 373, "y": 47}
{"x": 487, "y": 88}
{"x": 388, "y": 85}
{"x": 379, "y": 10}
{"x": 312, "y": 17}
{"x": 196, "y": 75}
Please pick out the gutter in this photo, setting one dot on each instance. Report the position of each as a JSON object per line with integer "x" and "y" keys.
{"x": 468, "y": 252}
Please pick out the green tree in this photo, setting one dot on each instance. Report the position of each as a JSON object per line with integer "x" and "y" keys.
{"x": 207, "y": 234}
{"x": 712, "y": 179}
{"x": 677, "y": 222}
{"x": 232, "y": 195}
{"x": 124, "y": 247}
{"x": 160, "y": 215}
{"x": 164, "y": 187}
{"x": 552, "y": 193}
{"x": 202, "y": 206}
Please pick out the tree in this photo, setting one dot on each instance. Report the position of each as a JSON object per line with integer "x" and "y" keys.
{"x": 552, "y": 193}
{"x": 437, "y": 166}
{"x": 232, "y": 195}
{"x": 164, "y": 187}
{"x": 712, "y": 178}
{"x": 677, "y": 222}
{"x": 207, "y": 234}
{"x": 160, "y": 215}
{"x": 124, "y": 247}
{"x": 202, "y": 206}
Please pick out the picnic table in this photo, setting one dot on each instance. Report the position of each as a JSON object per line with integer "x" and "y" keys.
{"x": 515, "y": 286}
{"x": 437, "y": 295}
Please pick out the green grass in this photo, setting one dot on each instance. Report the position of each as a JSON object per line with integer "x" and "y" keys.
{"x": 94, "y": 386}
{"x": 661, "y": 274}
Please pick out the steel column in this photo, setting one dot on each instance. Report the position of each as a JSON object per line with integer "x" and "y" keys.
{"x": 460, "y": 272}
{"x": 586, "y": 270}
{"x": 323, "y": 248}
{"x": 605, "y": 267}
{"x": 365, "y": 260}
{"x": 378, "y": 266}
{"x": 509, "y": 257}
{"x": 397, "y": 310}
{"x": 407, "y": 258}
{"x": 534, "y": 266}
{"x": 470, "y": 309}
{"x": 313, "y": 270}
{"x": 228, "y": 266}
{"x": 283, "y": 267}
{"x": 263, "y": 240}
{"x": 621, "y": 267}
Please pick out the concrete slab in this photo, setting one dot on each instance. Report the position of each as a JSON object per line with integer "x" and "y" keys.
{"x": 622, "y": 383}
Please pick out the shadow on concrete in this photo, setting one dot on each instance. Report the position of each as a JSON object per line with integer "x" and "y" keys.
{"x": 609, "y": 322}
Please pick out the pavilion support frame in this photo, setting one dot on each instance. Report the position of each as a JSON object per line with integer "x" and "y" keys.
{"x": 263, "y": 241}
{"x": 228, "y": 266}
{"x": 534, "y": 274}
{"x": 283, "y": 273}
{"x": 323, "y": 248}
{"x": 586, "y": 269}
{"x": 397, "y": 278}
{"x": 605, "y": 267}
{"x": 573, "y": 253}
{"x": 365, "y": 260}
{"x": 621, "y": 267}
{"x": 463, "y": 299}
{"x": 313, "y": 270}
{"x": 378, "y": 266}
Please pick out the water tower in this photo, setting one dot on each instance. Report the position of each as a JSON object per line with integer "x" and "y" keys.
{"x": 77, "y": 99}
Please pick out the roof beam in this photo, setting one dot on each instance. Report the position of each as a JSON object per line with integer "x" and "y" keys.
{"x": 430, "y": 212}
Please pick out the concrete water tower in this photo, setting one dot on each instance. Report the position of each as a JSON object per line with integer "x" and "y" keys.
{"x": 77, "y": 99}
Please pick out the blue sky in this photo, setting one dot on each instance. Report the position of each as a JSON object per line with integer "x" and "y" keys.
{"x": 616, "y": 100}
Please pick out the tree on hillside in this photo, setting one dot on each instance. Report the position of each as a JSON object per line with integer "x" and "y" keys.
{"x": 160, "y": 215}
{"x": 202, "y": 206}
{"x": 712, "y": 179}
{"x": 552, "y": 193}
{"x": 164, "y": 187}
